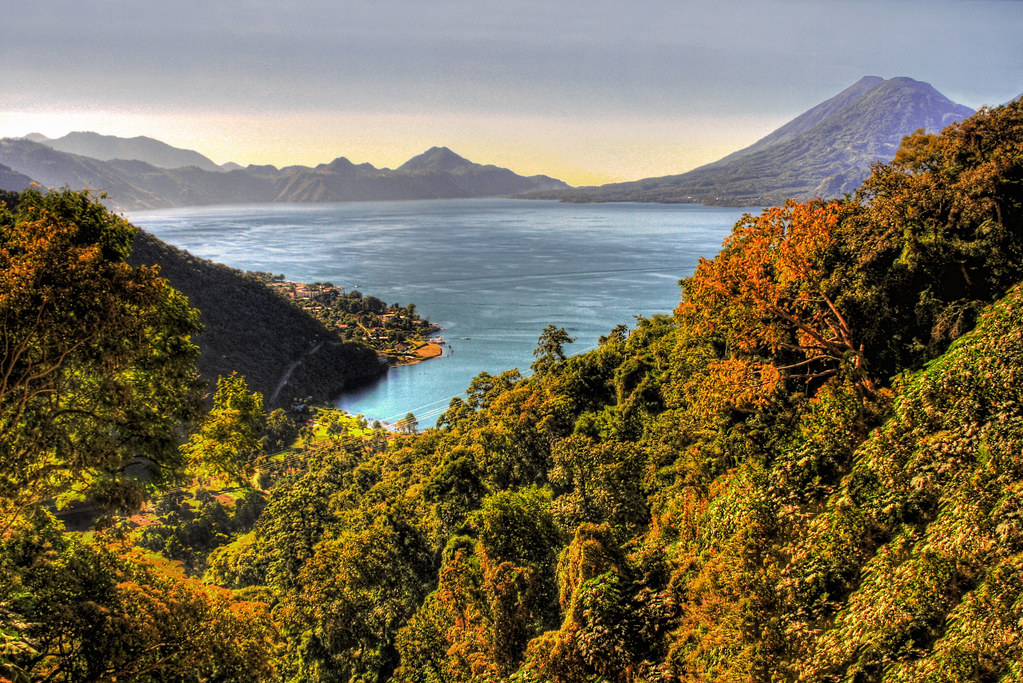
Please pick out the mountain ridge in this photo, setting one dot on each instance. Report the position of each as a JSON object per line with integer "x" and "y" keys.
{"x": 139, "y": 148}
{"x": 132, "y": 184}
{"x": 826, "y": 151}
{"x": 13, "y": 181}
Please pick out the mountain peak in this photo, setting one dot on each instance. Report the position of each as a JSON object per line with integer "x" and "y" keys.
{"x": 140, "y": 148}
{"x": 867, "y": 82}
{"x": 914, "y": 100}
{"x": 436, "y": 159}
{"x": 826, "y": 151}
{"x": 339, "y": 164}
{"x": 808, "y": 119}
{"x": 905, "y": 83}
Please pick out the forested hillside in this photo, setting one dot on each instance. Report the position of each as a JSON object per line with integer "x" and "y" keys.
{"x": 809, "y": 471}
{"x": 250, "y": 329}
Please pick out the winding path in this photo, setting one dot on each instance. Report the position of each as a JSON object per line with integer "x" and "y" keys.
{"x": 291, "y": 369}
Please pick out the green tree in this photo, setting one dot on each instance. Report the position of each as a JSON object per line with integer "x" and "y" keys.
{"x": 281, "y": 430}
{"x": 598, "y": 483}
{"x": 97, "y": 365}
{"x": 518, "y": 540}
{"x": 455, "y": 488}
{"x": 550, "y": 349}
{"x": 229, "y": 437}
{"x": 10, "y": 199}
{"x": 408, "y": 424}
{"x": 356, "y": 591}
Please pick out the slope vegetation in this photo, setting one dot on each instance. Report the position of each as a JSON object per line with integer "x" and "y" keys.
{"x": 810, "y": 471}
{"x": 252, "y": 330}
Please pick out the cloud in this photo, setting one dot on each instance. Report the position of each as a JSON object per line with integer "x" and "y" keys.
{"x": 510, "y": 56}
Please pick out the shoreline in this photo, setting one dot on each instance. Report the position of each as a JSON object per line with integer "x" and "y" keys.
{"x": 422, "y": 353}
{"x": 425, "y": 349}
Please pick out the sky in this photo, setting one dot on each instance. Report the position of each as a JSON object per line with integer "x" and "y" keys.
{"x": 587, "y": 91}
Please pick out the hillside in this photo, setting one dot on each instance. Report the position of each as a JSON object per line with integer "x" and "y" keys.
{"x": 809, "y": 471}
{"x": 132, "y": 184}
{"x": 826, "y": 151}
{"x": 141, "y": 148}
{"x": 13, "y": 181}
{"x": 51, "y": 168}
{"x": 250, "y": 329}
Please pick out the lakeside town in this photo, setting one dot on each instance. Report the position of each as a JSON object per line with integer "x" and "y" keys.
{"x": 397, "y": 333}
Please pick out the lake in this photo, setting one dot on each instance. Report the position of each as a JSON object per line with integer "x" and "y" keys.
{"x": 492, "y": 272}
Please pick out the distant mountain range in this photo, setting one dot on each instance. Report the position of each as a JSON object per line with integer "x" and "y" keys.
{"x": 12, "y": 180}
{"x": 140, "y": 182}
{"x": 141, "y": 148}
{"x": 826, "y": 152}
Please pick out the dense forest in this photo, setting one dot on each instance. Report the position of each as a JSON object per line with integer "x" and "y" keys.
{"x": 810, "y": 470}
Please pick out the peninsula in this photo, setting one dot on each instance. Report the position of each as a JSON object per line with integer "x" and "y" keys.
{"x": 397, "y": 333}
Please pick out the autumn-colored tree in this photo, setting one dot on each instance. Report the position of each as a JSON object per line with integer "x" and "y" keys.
{"x": 449, "y": 638}
{"x": 597, "y": 636}
{"x": 774, "y": 295}
{"x": 77, "y": 609}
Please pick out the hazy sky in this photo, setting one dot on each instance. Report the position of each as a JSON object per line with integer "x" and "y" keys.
{"x": 589, "y": 91}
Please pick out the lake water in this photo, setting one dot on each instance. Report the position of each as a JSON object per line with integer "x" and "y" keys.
{"x": 492, "y": 272}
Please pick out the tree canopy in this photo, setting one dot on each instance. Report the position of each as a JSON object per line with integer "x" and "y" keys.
{"x": 97, "y": 365}
{"x": 97, "y": 390}
{"x": 809, "y": 472}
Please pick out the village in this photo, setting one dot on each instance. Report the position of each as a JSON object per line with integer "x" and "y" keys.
{"x": 396, "y": 332}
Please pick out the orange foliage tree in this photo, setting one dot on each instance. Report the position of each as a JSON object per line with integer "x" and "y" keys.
{"x": 78, "y": 609}
{"x": 772, "y": 298}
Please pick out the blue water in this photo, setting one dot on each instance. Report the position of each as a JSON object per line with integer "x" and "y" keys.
{"x": 492, "y": 272}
